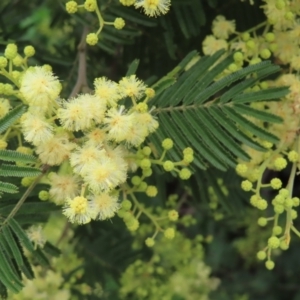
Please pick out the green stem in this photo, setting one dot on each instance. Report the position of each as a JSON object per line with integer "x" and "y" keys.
{"x": 251, "y": 29}
{"x": 100, "y": 18}
{"x": 290, "y": 187}
{"x": 262, "y": 169}
{"x": 24, "y": 197}
{"x": 145, "y": 212}
{"x": 8, "y": 76}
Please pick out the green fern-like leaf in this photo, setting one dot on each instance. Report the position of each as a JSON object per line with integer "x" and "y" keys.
{"x": 11, "y": 117}
{"x": 14, "y": 247}
{"x": 212, "y": 116}
{"x": 15, "y": 283}
{"x": 8, "y": 187}
{"x": 14, "y": 156}
{"x": 18, "y": 171}
{"x": 30, "y": 208}
{"x": 20, "y": 234}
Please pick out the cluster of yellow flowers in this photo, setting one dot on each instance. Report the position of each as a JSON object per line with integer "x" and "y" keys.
{"x": 98, "y": 157}
{"x": 93, "y": 139}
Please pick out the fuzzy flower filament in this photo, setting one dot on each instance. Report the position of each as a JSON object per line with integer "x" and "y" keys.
{"x": 153, "y": 8}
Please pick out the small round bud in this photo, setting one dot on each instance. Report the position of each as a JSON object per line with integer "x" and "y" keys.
{"x": 24, "y": 150}
{"x": 273, "y": 242}
{"x": 245, "y": 36}
{"x": 145, "y": 163}
{"x": 256, "y": 88}
{"x": 150, "y": 93}
{"x": 47, "y": 67}
{"x": 119, "y": 23}
{"x": 294, "y": 214}
{"x": 128, "y": 217}
{"x": 173, "y": 215}
{"x": 92, "y": 39}
{"x": 246, "y": 185}
{"x": 280, "y": 4}
{"x": 188, "y": 158}
{"x": 121, "y": 213}
{"x": 90, "y": 5}
{"x": 293, "y": 156}
{"x": 16, "y": 74}
{"x": 233, "y": 67}
{"x": 296, "y": 201}
{"x": 141, "y": 107}
{"x": 262, "y": 204}
{"x": 288, "y": 203}
{"x": 284, "y": 193}
{"x": 277, "y": 230}
{"x": 18, "y": 60}
{"x": 279, "y": 199}
{"x": 250, "y": 44}
{"x": 262, "y": 222}
{"x": 188, "y": 151}
{"x": 276, "y": 183}
{"x": 134, "y": 225}
{"x": 149, "y": 242}
{"x": 283, "y": 245}
{"x": 289, "y": 16}
{"x": 238, "y": 56}
{"x": 270, "y": 265}
{"x": 151, "y": 191}
{"x": 280, "y": 163}
{"x": 254, "y": 175}
{"x": 273, "y": 47}
{"x": 168, "y": 166}
{"x": 185, "y": 174}
{"x": 241, "y": 169}
{"x": 167, "y": 144}
{"x": 169, "y": 233}
{"x": 255, "y": 61}
{"x": 264, "y": 85}
{"x": 146, "y": 150}
{"x": 143, "y": 186}
{"x": 147, "y": 172}
{"x": 3, "y": 144}
{"x": 71, "y": 7}
{"x": 11, "y": 51}
{"x": 278, "y": 209}
{"x": 43, "y": 195}
{"x": 136, "y": 180}
{"x": 29, "y": 51}
{"x": 265, "y": 53}
{"x": 27, "y": 181}
{"x": 261, "y": 255}
{"x": 254, "y": 200}
{"x": 126, "y": 205}
{"x": 270, "y": 37}
{"x": 3, "y": 62}
{"x": 8, "y": 89}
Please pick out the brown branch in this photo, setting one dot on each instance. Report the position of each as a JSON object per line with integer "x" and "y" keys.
{"x": 81, "y": 82}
